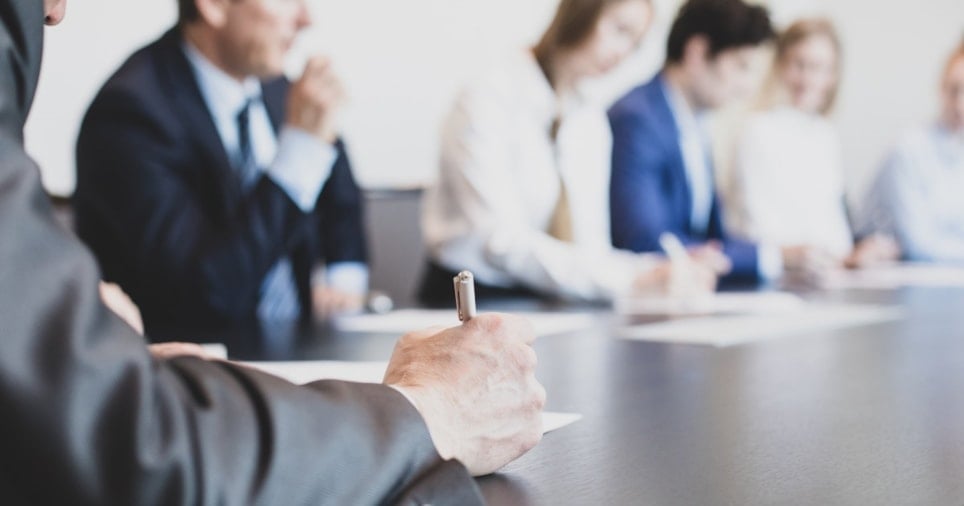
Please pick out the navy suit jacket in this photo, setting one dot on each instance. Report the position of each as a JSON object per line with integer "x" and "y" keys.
{"x": 163, "y": 209}
{"x": 649, "y": 189}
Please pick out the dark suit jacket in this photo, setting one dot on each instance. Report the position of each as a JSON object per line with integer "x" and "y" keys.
{"x": 162, "y": 208}
{"x": 90, "y": 418}
{"x": 649, "y": 192}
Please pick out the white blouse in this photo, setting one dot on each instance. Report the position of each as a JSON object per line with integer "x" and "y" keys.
{"x": 499, "y": 182}
{"x": 788, "y": 186}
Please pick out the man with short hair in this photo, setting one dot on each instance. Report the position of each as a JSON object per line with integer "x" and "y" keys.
{"x": 211, "y": 188}
{"x": 89, "y": 417}
{"x": 662, "y": 179}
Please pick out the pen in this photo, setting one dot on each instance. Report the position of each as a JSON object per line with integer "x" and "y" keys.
{"x": 465, "y": 295}
{"x": 673, "y": 248}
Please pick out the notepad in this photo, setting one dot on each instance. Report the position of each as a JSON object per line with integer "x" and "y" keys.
{"x": 733, "y": 330}
{"x": 895, "y": 276}
{"x": 711, "y": 304}
{"x": 407, "y": 320}
{"x": 301, "y": 372}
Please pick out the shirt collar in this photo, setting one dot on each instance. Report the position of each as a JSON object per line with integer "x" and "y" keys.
{"x": 224, "y": 95}
{"x": 688, "y": 121}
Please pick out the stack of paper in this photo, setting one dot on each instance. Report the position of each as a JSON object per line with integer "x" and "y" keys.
{"x": 721, "y": 303}
{"x": 407, "y": 320}
{"x": 731, "y": 330}
{"x": 301, "y": 372}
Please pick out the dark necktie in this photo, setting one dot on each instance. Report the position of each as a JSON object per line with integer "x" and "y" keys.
{"x": 279, "y": 294}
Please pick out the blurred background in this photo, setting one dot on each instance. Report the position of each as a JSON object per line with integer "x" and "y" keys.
{"x": 403, "y": 62}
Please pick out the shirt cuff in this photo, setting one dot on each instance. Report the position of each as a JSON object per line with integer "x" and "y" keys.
{"x": 769, "y": 262}
{"x": 302, "y": 166}
{"x": 348, "y": 277}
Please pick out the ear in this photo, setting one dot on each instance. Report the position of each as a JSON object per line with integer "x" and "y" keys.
{"x": 213, "y": 12}
{"x": 696, "y": 51}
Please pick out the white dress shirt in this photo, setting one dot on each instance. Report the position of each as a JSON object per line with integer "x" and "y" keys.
{"x": 694, "y": 145}
{"x": 919, "y": 196}
{"x": 499, "y": 185}
{"x": 295, "y": 160}
{"x": 788, "y": 186}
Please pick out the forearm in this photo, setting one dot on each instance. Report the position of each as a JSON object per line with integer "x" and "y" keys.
{"x": 91, "y": 413}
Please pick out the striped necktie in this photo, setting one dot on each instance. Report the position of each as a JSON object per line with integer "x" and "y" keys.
{"x": 279, "y": 294}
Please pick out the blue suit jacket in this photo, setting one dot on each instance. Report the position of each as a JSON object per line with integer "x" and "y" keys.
{"x": 163, "y": 209}
{"x": 649, "y": 190}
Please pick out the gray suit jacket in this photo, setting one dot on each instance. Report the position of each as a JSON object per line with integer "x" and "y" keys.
{"x": 88, "y": 417}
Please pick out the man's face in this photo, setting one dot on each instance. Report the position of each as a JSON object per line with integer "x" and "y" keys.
{"x": 54, "y": 11}
{"x": 728, "y": 77}
{"x": 257, "y": 34}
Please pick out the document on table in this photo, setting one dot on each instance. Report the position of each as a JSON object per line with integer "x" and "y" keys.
{"x": 407, "y": 320}
{"x": 732, "y": 330}
{"x": 720, "y": 303}
{"x": 301, "y": 372}
{"x": 895, "y": 276}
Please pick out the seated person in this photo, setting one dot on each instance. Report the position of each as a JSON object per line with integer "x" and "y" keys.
{"x": 209, "y": 187}
{"x": 917, "y": 194}
{"x": 91, "y": 418}
{"x": 788, "y": 185}
{"x": 662, "y": 174}
{"x": 522, "y": 194}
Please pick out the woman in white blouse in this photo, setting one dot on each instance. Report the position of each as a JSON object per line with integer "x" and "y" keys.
{"x": 788, "y": 186}
{"x": 522, "y": 197}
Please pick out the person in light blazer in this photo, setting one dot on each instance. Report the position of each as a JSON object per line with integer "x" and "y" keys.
{"x": 916, "y": 196}
{"x": 521, "y": 198}
{"x": 787, "y": 185}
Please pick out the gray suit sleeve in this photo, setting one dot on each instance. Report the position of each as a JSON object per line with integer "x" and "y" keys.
{"x": 90, "y": 418}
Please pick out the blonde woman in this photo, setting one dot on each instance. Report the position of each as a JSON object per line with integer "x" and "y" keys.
{"x": 522, "y": 197}
{"x": 788, "y": 186}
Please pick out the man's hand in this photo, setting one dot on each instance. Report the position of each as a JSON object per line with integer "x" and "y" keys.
{"x": 314, "y": 100}
{"x": 329, "y": 302}
{"x": 872, "y": 251}
{"x": 475, "y": 386}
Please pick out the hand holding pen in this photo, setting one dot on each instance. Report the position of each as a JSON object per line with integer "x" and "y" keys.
{"x": 473, "y": 384}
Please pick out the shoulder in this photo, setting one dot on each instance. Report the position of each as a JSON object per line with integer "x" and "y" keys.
{"x": 638, "y": 108}
{"x": 502, "y": 83}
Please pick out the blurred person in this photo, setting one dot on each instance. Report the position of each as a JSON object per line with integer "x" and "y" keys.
{"x": 662, "y": 173}
{"x": 916, "y": 196}
{"x": 522, "y": 194}
{"x": 212, "y": 189}
{"x": 91, "y": 418}
{"x": 788, "y": 185}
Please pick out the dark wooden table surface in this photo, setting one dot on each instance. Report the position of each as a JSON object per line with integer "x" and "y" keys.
{"x": 865, "y": 416}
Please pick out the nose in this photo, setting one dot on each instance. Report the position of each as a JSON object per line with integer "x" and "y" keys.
{"x": 55, "y": 13}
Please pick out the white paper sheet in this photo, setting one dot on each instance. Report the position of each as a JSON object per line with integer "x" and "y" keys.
{"x": 407, "y": 320}
{"x": 301, "y": 372}
{"x": 895, "y": 276}
{"x": 721, "y": 303}
{"x": 731, "y": 330}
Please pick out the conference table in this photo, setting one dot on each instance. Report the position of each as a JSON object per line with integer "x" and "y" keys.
{"x": 865, "y": 415}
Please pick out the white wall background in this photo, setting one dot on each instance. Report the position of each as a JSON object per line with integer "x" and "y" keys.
{"x": 403, "y": 61}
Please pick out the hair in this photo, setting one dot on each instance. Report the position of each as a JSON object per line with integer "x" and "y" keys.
{"x": 726, "y": 24}
{"x": 573, "y": 24}
{"x": 800, "y": 31}
{"x": 187, "y": 11}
